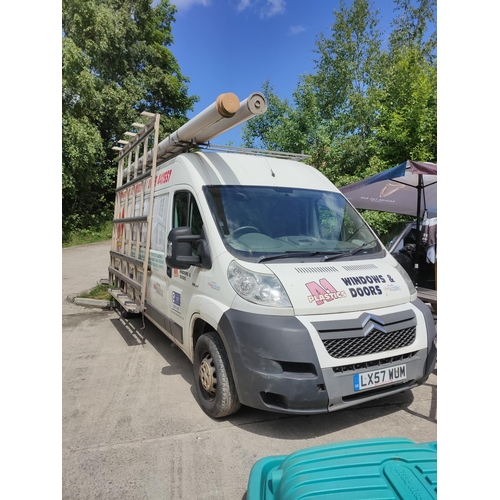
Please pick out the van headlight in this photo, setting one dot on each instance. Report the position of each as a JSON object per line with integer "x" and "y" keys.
{"x": 262, "y": 289}
{"x": 406, "y": 277}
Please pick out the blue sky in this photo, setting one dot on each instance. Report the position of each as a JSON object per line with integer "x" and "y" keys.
{"x": 236, "y": 45}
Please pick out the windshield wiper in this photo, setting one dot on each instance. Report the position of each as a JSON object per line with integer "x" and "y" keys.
{"x": 328, "y": 255}
{"x": 289, "y": 253}
{"x": 354, "y": 251}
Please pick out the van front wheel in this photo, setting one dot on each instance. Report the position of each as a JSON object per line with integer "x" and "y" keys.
{"x": 213, "y": 378}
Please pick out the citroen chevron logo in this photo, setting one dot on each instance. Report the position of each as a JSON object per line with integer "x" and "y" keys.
{"x": 371, "y": 321}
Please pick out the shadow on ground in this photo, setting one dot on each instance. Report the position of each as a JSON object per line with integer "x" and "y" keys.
{"x": 136, "y": 332}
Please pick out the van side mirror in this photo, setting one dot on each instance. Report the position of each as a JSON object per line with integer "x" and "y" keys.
{"x": 180, "y": 249}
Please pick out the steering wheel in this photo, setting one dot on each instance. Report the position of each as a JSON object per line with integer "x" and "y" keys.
{"x": 244, "y": 230}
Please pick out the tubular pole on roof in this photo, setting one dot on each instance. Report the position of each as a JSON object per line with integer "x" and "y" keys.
{"x": 225, "y": 106}
{"x": 255, "y": 104}
{"x": 224, "y": 114}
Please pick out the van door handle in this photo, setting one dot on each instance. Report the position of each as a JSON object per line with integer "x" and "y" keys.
{"x": 169, "y": 271}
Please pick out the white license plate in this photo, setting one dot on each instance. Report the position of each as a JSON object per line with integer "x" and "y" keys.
{"x": 376, "y": 378}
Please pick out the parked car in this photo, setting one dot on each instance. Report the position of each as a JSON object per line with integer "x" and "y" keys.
{"x": 401, "y": 242}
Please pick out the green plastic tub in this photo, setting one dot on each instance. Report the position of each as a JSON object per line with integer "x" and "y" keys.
{"x": 374, "y": 469}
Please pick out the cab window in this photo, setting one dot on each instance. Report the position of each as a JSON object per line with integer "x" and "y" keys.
{"x": 186, "y": 213}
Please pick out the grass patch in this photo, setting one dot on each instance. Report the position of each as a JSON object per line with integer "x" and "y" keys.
{"x": 86, "y": 236}
{"x": 99, "y": 292}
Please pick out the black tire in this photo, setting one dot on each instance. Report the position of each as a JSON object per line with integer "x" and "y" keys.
{"x": 213, "y": 378}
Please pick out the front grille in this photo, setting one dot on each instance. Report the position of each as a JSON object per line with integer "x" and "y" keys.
{"x": 375, "y": 341}
{"x": 377, "y": 363}
{"x": 369, "y": 333}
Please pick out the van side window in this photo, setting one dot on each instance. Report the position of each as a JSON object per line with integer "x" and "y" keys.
{"x": 159, "y": 232}
{"x": 187, "y": 213}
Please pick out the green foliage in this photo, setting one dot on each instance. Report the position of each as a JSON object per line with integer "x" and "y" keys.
{"x": 99, "y": 292}
{"x": 278, "y": 129}
{"x": 366, "y": 108}
{"x": 381, "y": 222}
{"x": 407, "y": 106}
{"x": 115, "y": 64}
{"x": 86, "y": 236}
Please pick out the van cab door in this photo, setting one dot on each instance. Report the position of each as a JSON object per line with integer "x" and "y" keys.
{"x": 184, "y": 283}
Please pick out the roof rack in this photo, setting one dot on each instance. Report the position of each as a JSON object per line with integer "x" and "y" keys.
{"x": 254, "y": 151}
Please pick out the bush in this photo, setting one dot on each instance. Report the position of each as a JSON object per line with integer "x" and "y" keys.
{"x": 99, "y": 292}
{"x": 86, "y": 236}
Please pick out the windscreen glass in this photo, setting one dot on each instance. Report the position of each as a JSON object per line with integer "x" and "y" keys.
{"x": 264, "y": 223}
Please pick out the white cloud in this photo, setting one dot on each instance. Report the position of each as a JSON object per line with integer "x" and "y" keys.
{"x": 264, "y": 8}
{"x": 242, "y": 5}
{"x": 186, "y": 4}
{"x": 273, "y": 8}
{"x": 295, "y": 30}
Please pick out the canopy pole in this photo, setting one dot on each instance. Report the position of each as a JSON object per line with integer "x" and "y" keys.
{"x": 417, "y": 251}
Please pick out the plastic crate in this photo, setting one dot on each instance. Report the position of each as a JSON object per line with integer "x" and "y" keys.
{"x": 375, "y": 469}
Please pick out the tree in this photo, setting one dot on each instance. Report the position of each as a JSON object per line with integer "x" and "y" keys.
{"x": 115, "y": 64}
{"x": 277, "y": 129}
{"x": 333, "y": 115}
{"x": 407, "y": 109}
{"x": 407, "y": 93}
{"x": 296, "y": 128}
{"x": 411, "y": 28}
{"x": 365, "y": 108}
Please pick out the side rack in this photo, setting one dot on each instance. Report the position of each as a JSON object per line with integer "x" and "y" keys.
{"x": 132, "y": 215}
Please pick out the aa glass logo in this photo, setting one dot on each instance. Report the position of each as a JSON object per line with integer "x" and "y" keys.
{"x": 323, "y": 292}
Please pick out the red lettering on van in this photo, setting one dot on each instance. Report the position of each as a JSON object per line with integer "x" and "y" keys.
{"x": 164, "y": 177}
{"x": 324, "y": 291}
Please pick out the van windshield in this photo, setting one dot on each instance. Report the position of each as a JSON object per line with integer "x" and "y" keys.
{"x": 273, "y": 223}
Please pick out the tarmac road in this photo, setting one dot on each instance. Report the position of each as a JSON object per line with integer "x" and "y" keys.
{"x": 131, "y": 426}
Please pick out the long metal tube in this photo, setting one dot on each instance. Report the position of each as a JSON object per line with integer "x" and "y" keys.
{"x": 226, "y": 106}
{"x": 255, "y": 104}
{"x": 223, "y": 115}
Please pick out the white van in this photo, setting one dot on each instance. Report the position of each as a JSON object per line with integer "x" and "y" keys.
{"x": 271, "y": 283}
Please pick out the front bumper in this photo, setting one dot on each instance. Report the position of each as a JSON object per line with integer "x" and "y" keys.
{"x": 276, "y": 367}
